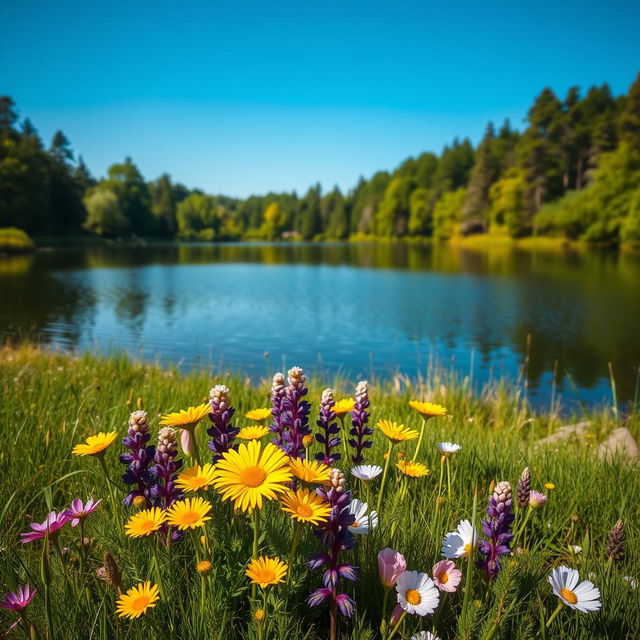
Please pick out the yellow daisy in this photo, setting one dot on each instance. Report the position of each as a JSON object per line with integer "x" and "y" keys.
{"x": 251, "y": 473}
{"x": 306, "y": 506}
{"x": 346, "y": 405}
{"x": 137, "y": 600}
{"x": 253, "y": 433}
{"x": 189, "y": 513}
{"x": 95, "y": 445}
{"x": 259, "y": 415}
{"x": 186, "y": 418}
{"x": 266, "y": 571}
{"x": 145, "y": 522}
{"x": 309, "y": 471}
{"x": 396, "y": 432}
{"x": 428, "y": 409}
{"x": 195, "y": 478}
{"x": 413, "y": 469}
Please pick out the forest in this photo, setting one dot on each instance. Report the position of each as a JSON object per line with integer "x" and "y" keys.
{"x": 572, "y": 172}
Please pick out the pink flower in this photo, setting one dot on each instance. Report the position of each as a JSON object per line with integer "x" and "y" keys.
{"x": 19, "y": 600}
{"x": 446, "y": 576}
{"x": 186, "y": 442}
{"x": 390, "y": 565}
{"x": 52, "y": 525}
{"x": 395, "y": 615}
{"x": 78, "y": 511}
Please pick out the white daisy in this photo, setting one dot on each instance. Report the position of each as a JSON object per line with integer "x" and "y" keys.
{"x": 460, "y": 543}
{"x": 363, "y": 522}
{"x": 448, "y": 448}
{"x": 366, "y": 472}
{"x": 631, "y": 581}
{"x": 417, "y": 594}
{"x": 424, "y": 635}
{"x": 584, "y": 597}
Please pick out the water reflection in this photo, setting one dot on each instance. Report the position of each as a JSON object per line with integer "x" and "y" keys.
{"x": 346, "y": 305}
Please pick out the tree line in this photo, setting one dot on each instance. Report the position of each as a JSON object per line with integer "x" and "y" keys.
{"x": 573, "y": 171}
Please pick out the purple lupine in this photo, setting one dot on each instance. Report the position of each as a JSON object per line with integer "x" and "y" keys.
{"x": 496, "y": 528}
{"x": 292, "y": 418}
{"x": 138, "y": 460}
{"x": 165, "y": 470}
{"x": 278, "y": 391}
{"x": 359, "y": 419}
{"x": 336, "y": 538}
{"x": 221, "y": 430}
{"x": 328, "y": 437}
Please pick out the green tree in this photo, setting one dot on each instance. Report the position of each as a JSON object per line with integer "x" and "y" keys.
{"x": 163, "y": 205}
{"x": 420, "y": 213}
{"x": 104, "y": 215}
{"x": 507, "y": 201}
{"x": 198, "y": 217}
{"x": 630, "y": 116}
{"x": 447, "y": 213}
{"x": 309, "y": 216}
{"x": 274, "y": 221}
{"x": 334, "y": 212}
{"x": 392, "y": 216}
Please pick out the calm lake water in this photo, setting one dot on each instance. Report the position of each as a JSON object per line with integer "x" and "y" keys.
{"x": 349, "y": 308}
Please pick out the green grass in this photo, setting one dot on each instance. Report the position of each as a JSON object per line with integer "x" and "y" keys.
{"x": 51, "y": 402}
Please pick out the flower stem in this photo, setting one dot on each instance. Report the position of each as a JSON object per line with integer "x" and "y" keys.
{"x": 468, "y": 583}
{"x": 384, "y": 477}
{"x": 112, "y": 500}
{"x": 156, "y": 565}
{"x": 383, "y": 622}
{"x": 294, "y": 547}
{"x": 448, "y": 463}
{"x": 393, "y": 631}
{"x": 256, "y": 536}
{"x": 442, "y": 463}
{"x": 419, "y": 443}
{"x": 553, "y": 615}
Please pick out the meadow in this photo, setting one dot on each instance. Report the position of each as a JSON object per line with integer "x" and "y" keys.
{"x": 199, "y": 587}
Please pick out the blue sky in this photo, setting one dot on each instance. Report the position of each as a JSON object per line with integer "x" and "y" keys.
{"x": 247, "y": 97}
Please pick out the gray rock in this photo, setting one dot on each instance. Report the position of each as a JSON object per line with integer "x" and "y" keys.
{"x": 620, "y": 441}
{"x": 568, "y": 431}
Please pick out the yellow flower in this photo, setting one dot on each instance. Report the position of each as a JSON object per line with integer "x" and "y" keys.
{"x": 204, "y": 567}
{"x": 549, "y": 485}
{"x": 145, "y": 522}
{"x": 186, "y": 419}
{"x": 428, "y": 409}
{"x": 189, "y": 513}
{"x": 307, "y": 440}
{"x": 266, "y": 571}
{"x": 139, "y": 502}
{"x": 413, "y": 469}
{"x": 137, "y": 600}
{"x": 309, "y": 470}
{"x": 196, "y": 478}
{"x": 259, "y": 615}
{"x": 306, "y": 506}
{"x": 95, "y": 445}
{"x": 253, "y": 433}
{"x": 346, "y": 405}
{"x": 251, "y": 473}
{"x": 259, "y": 415}
{"x": 396, "y": 432}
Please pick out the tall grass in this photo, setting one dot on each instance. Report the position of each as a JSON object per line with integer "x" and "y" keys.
{"x": 51, "y": 402}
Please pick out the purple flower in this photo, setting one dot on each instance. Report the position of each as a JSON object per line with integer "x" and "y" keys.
{"x": 290, "y": 412}
{"x": 78, "y": 511}
{"x": 51, "y": 526}
{"x": 165, "y": 469}
{"x": 345, "y": 604}
{"x": 221, "y": 430}
{"x": 497, "y": 528}
{"x": 138, "y": 459}
{"x": 330, "y": 428}
{"x": 19, "y": 600}
{"x": 359, "y": 420}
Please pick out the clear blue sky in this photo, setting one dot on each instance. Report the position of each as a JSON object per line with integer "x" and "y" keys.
{"x": 246, "y": 97}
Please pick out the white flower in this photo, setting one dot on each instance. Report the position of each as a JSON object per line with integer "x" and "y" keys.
{"x": 417, "y": 594}
{"x": 366, "y": 472}
{"x": 576, "y": 549}
{"x": 424, "y": 635}
{"x": 584, "y": 597}
{"x": 460, "y": 543}
{"x": 363, "y": 522}
{"x": 631, "y": 581}
{"x": 448, "y": 448}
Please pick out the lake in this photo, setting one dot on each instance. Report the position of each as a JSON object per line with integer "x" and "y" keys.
{"x": 359, "y": 309}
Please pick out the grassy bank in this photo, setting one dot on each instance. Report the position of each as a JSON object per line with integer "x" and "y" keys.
{"x": 52, "y": 402}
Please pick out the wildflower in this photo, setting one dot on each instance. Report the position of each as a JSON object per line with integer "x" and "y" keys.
{"x": 185, "y": 418}
{"x": 417, "y": 594}
{"x": 329, "y": 429}
{"x": 461, "y": 542}
{"x": 138, "y": 458}
{"x": 446, "y": 576}
{"x": 424, "y": 635}
{"x": 391, "y": 564}
{"x": 259, "y": 615}
{"x": 253, "y": 433}
{"x": 576, "y": 548}
{"x": 614, "y": 547}
{"x": 396, "y": 432}
{"x": 309, "y": 471}
{"x": 523, "y": 490}
{"x": 549, "y": 486}
{"x": 396, "y": 615}
{"x": 249, "y": 474}
{"x": 496, "y": 528}
{"x": 363, "y": 522}
{"x": 366, "y": 472}
{"x": 266, "y": 571}
{"x": 306, "y": 506}
{"x": 307, "y": 441}
{"x": 137, "y": 600}
{"x": 145, "y": 522}
{"x": 536, "y": 499}
{"x": 77, "y": 511}
{"x": 18, "y": 600}
{"x": 428, "y": 409}
{"x": 222, "y": 432}
{"x": 448, "y": 448}
{"x": 196, "y": 478}
{"x": 344, "y": 406}
{"x": 278, "y": 392}
{"x": 166, "y": 468}
{"x": 204, "y": 567}
{"x": 631, "y": 581}
{"x": 95, "y": 445}
{"x": 259, "y": 415}
{"x": 584, "y": 597}
{"x": 413, "y": 469}
{"x": 139, "y": 502}
{"x": 359, "y": 420}
{"x": 50, "y": 527}
{"x": 293, "y": 415}
{"x": 189, "y": 514}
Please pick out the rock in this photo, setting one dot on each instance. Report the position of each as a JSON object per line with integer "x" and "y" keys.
{"x": 577, "y": 430}
{"x": 620, "y": 441}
